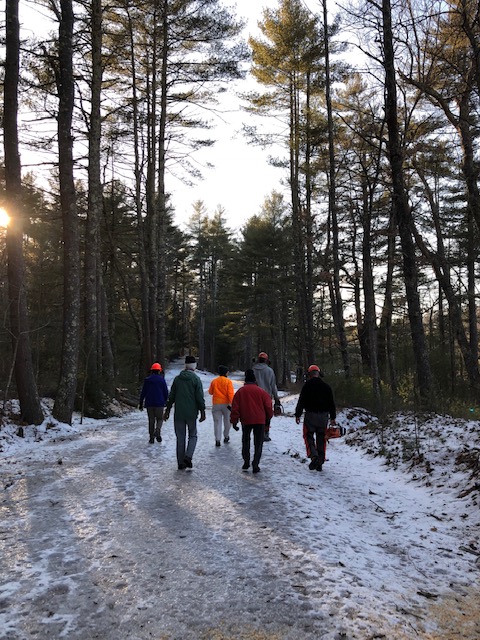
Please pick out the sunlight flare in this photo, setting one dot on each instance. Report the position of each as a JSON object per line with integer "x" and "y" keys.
{"x": 4, "y": 218}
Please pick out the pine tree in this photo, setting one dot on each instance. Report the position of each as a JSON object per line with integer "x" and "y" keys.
{"x": 65, "y": 399}
{"x": 402, "y": 210}
{"x": 30, "y": 408}
{"x": 289, "y": 61}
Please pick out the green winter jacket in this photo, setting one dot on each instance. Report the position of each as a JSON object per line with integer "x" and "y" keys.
{"x": 187, "y": 395}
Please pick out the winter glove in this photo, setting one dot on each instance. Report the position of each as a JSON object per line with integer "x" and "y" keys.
{"x": 140, "y": 406}
{"x": 235, "y": 426}
{"x": 229, "y": 407}
{"x": 277, "y": 409}
{"x": 166, "y": 414}
{"x": 202, "y": 416}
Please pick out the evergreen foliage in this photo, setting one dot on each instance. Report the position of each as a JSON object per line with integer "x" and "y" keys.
{"x": 298, "y": 269}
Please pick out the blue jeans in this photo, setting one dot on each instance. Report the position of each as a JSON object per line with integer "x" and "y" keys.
{"x": 181, "y": 427}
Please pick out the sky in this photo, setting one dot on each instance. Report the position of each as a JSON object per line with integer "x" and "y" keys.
{"x": 102, "y": 536}
{"x": 242, "y": 177}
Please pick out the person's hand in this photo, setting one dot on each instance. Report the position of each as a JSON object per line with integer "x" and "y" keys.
{"x": 235, "y": 426}
{"x": 202, "y": 416}
{"x": 140, "y": 406}
{"x": 297, "y": 420}
{"x": 333, "y": 421}
{"x": 166, "y": 414}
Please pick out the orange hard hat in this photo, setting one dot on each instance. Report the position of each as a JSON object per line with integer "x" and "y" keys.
{"x": 313, "y": 367}
{"x": 156, "y": 367}
{"x": 263, "y": 355}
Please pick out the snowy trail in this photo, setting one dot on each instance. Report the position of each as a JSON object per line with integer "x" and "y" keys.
{"x": 116, "y": 543}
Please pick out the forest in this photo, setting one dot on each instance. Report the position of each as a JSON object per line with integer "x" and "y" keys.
{"x": 366, "y": 263}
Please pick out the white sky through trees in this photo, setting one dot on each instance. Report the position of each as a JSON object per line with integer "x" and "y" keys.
{"x": 242, "y": 177}
{"x": 237, "y": 175}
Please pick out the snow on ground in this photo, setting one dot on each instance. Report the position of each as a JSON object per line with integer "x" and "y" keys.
{"x": 102, "y": 537}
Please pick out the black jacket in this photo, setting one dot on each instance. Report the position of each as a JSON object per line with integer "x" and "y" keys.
{"x": 316, "y": 395}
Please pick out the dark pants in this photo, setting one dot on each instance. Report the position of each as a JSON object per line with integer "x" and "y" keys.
{"x": 314, "y": 428}
{"x": 155, "y": 420}
{"x": 181, "y": 428}
{"x": 267, "y": 427}
{"x": 258, "y": 430}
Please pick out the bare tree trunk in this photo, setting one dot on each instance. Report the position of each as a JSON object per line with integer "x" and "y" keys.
{"x": 147, "y": 356}
{"x": 335, "y": 290}
{"x": 472, "y": 294}
{"x": 402, "y": 211}
{"x": 361, "y": 329}
{"x": 309, "y": 287}
{"x": 297, "y": 229}
{"x": 30, "y": 408}
{"x": 65, "y": 400}
{"x": 93, "y": 304}
{"x": 151, "y": 219}
{"x": 370, "y": 319}
{"x": 161, "y": 195}
{"x": 470, "y": 170}
{"x": 108, "y": 360}
{"x": 441, "y": 268}
{"x": 469, "y": 164}
{"x": 201, "y": 317}
{"x": 384, "y": 339}
{"x": 357, "y": 298}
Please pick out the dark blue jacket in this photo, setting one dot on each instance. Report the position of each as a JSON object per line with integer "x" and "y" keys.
{"x": 154, "y": 391}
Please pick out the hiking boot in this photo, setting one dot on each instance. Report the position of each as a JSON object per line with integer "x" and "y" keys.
{"x": 319, "y": 467}
{"x": 266, "y": 438}
{"x": 188, "y": 462}
{"x": 158, "y": 436}
{"x": 226, "y": 440}
{"x": 256, "y": 469}
{"x": 181, "y": 467}
{"x": 313, "y": 464}
{"x": 217, "y": 443}
{"x": 246, "y": 465}
{"x": 152, "y": 440}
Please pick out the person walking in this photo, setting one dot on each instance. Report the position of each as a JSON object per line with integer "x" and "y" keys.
{"x": 265, "y": 377}
{"x": 252, "y": 406}
{"x": 316, "y": 398}
{"x": 186, "y": 394}
{"x": 221, "y": 390}
{"x": 153, "y": 396}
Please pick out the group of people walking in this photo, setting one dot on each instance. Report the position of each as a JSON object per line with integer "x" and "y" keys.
{"x": 251, "y": 406}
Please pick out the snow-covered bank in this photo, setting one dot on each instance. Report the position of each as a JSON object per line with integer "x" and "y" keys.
{"x": 102, "y": 537}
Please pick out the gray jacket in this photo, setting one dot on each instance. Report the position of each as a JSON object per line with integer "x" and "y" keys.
{"x": 265, "y": 378}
